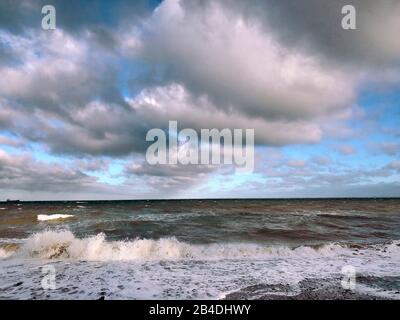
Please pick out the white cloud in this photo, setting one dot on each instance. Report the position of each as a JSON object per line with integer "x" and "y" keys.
{"x": 158, "y": 105}
{"x": 240, "y": 65}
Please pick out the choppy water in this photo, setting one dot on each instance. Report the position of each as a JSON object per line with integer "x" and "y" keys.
{"x": 193, "y": 248}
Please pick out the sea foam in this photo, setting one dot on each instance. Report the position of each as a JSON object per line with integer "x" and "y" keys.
{"x": 64, "y": 245}
{"x": 5, "y": 253}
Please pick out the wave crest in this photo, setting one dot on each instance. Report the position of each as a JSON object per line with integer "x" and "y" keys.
{"x": 46, "y": 217}
{"x": 5, "y": 253}
{"x": 64, "y": 245}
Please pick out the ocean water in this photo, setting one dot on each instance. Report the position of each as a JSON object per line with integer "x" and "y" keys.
{"x": 197, "y": 249}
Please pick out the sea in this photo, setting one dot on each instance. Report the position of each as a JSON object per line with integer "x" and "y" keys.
{"x": 201, "y": 249}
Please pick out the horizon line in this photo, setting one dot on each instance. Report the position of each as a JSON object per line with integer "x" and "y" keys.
{"x": 208, "y": 199}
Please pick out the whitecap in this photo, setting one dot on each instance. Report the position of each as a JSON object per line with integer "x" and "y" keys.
{"x": 46, "y": 217}
{"x": 64, "y": 244}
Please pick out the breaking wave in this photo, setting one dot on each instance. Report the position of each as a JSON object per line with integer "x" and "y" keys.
{"x": 64, "y": 245}
{"x": 5, "y": 253}
{"x": 8, "y": 249}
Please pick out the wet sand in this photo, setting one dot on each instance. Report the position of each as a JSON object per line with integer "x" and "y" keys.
{"x": 367, "y": 288}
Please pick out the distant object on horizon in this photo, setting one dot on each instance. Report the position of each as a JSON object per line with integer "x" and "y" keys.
{"x": 12, "y": 201}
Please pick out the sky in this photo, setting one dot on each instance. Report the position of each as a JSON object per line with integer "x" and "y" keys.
{"x": 76, "y": 102}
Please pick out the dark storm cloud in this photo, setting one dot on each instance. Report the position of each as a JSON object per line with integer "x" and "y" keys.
{"x": 169, "y": 170}
{"x": 16, "y": 15}
{"x": 73, "y": 15}
{"x": 65, "y": 94}
{"x": 70, "y": 83}
{"x": 170, "y": 179}
{"x": 102, "y": 20}
{"x": 207, "y": 46}
{"x": 282, "y": 60}
{"x": 62, "y": 72}
{"x": 25, "y": 173}
{"x": 114, "y": 142}
{"x": 315, "y": 25}
{"x": 284, "y": 68}
{"x": 61, "y": 88}
{"x": 79, "y": 65}
{"x": 5, "y": 121}
{"x": 97, "y": 129}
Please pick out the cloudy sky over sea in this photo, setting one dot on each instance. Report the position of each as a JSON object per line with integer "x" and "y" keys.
{"x": 76, "y": 102}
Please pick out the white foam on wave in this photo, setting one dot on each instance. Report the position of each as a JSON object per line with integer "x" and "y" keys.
{"x": 46, "y": 217}
{"x": 166, "y": 216}
{"x": 5, "y": 253}
{"x": 64, "y": 245}
{"x": 190, "y": 272}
